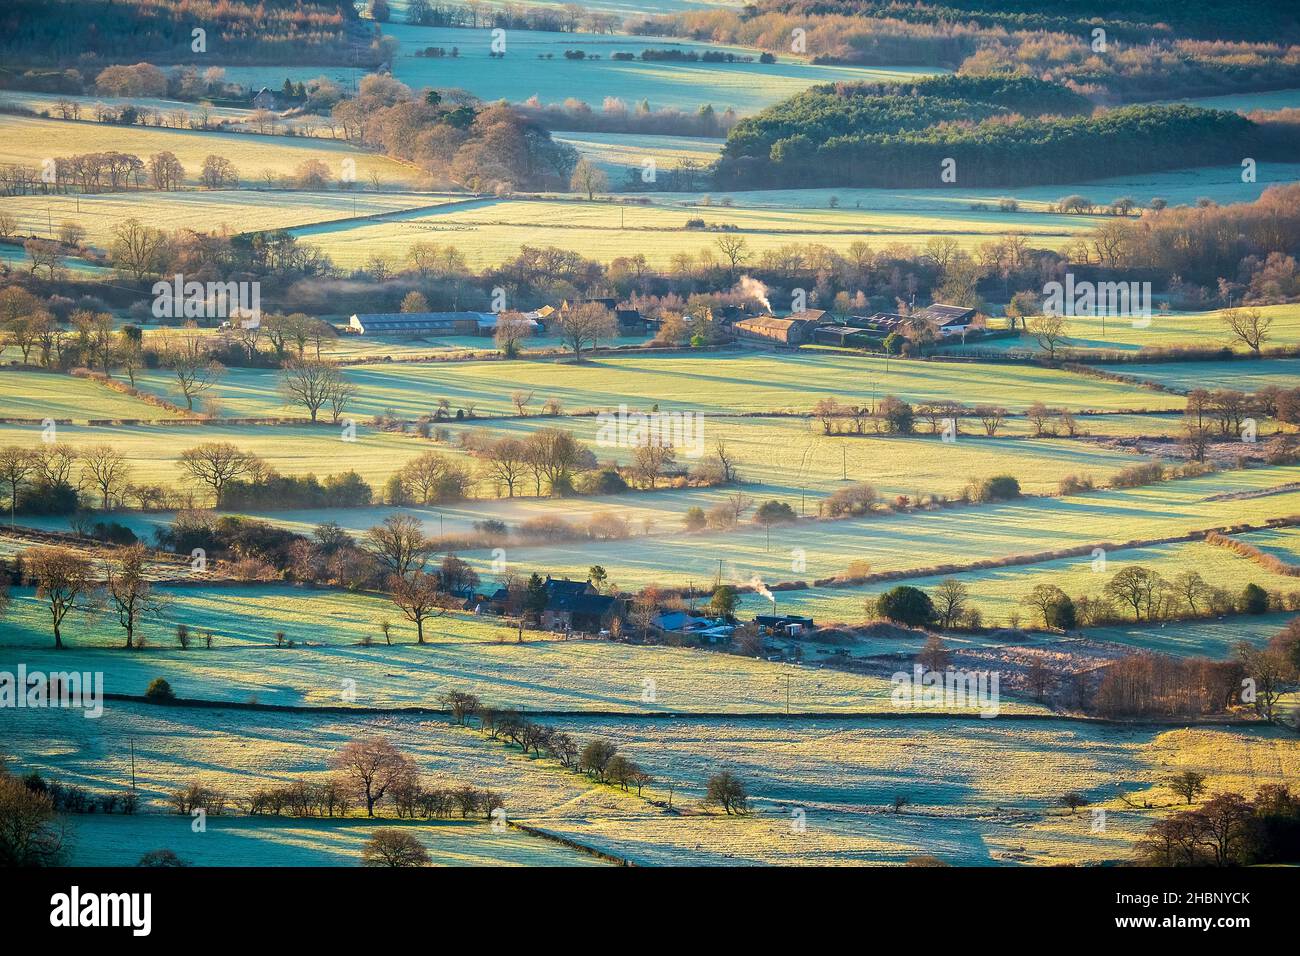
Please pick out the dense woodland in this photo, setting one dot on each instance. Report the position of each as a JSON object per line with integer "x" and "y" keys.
{"x": 771, "y": 150}
{"x": 43, "y": 32}
{"x": 1246, "y": 19}
{"x": 1141, "y": 60}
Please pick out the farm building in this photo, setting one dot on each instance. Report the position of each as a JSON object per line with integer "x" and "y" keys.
{"x": 729, "y": 315}
{"x": 846, "y": 336}
{"x": 710, "y": 630}
{"x": 631, "y": 322}
{"x": 951, "y": 319}
{"x": 947, "y": 320}
{"x": 790, "y": 625}
{"x": 577, "y": 606}
{"x": 416, "y": 324}
{"x": 264, "y": 99}
{"x": 791, "y": 331}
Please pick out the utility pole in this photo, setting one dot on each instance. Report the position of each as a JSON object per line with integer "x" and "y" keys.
{"x": 133, "y": 765}
{"x": 844, "y": 463}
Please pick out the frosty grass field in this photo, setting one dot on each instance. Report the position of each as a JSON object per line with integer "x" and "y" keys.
{"x": 30, "y": 140}
{"x": 521, "y": 74}
{"x": 231, "y": 211}
{"x": 295, "y": 671}
{"x": 982, "y": 792}
{"x": 712, "y": 383}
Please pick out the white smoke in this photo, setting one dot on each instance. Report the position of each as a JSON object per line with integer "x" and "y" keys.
{"x": 747, "y": 285}
{"x": 757, "y": 584}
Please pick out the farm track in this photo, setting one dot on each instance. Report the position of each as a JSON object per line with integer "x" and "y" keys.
{"x": 392, "y": 215}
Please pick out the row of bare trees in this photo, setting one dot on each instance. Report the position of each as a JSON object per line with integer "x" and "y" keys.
{"x": 67, "y": 581}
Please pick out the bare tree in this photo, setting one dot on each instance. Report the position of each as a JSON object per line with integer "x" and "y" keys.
{"x": 31, "y": 832}
{"x": 137, "y": 248}
{"x": 418, "y": 596}
{"x": 505, "y": 462}
{"x": 129, "y": 589}
{"x": 1189, "y": 784}
{"x": 106, "y": 470}
{"x": 340, "y": 396}
{"x": 991, "y": 416}
{"x": 649, "y": 461}
{"x": 585, "y": 324}
{"x": 392, "y": 847}
{"x": 520, "y": 400}
{"x": 310, "y": 384}
{"x": 1249, "y": 325}
{"x": 726, "y": 790}
{"x": 189, "y": 355}
{"x": 461, "y": 704}
{"x": 371, "y": 765}
{"x": 1049, "y": 331}
{"x": 736, "y": 251}
{"x": 400, "y": 544}
{"x": 950, "y": 600}
{"x": 215, "y": 463}
{"x": 512, "y": 329}
{"x": 16, "y": 463}
{"x": 726, "y": 461}
{"x": 588, "y": 178}
{"x": 62, "y": 577}
{"x": 55, "y": 462}
{"x": 554, "y": 454}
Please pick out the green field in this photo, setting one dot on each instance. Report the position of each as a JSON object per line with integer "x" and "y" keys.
{"x": 999, "y": 592}
{"x": 42, "y": 102}
{"x": 1283, "y": 543}
{"x": 462, "y": 651}
{"x": 784, "y": 458}
{"x": 221, "y": 211}
{"x": 1245, "y": 375}
{"x": 1180, "y": 187}
{"x": 745, "y": 88}
{"x": 619, "y": 154}
{"x": 491, "y": 231}
{"x": 30, "y": 141}
{"x": 1163, "y": 330}
{"x": 983, "y": 792}
{"x": 104, "y": 840}
{"x": 924, "y": 539}
{"x": 14, "y": 256}
{"x": 277, "y": 675}
{"x": 710, "y": 383}
{"x": 1247, "y": 102}
{"x": 981, "y": 795}
{"x": 36, "y": 396}
{"x": 1201, "y": 638}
